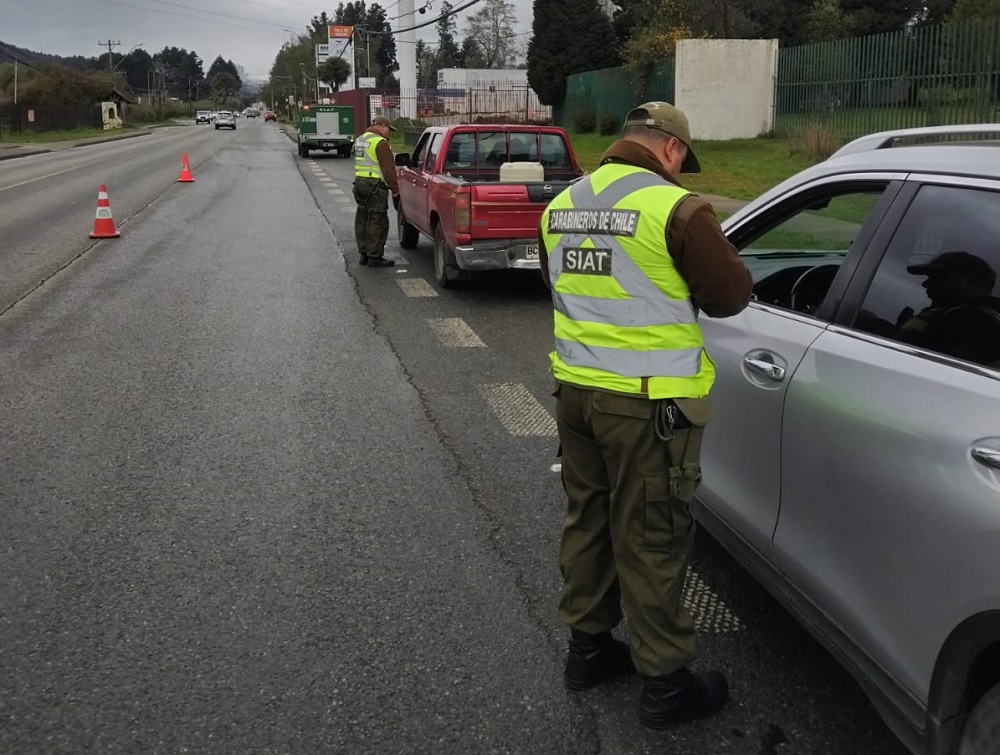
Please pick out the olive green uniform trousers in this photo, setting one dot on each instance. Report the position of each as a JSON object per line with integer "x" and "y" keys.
{"x": 628, "y": 531}
{"x": 371, "y": 221}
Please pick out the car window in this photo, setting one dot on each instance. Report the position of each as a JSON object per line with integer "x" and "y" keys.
{"x": 523, "y": 147}
{"x": 795, "y": 252}
{"x": 461, "y": 152}
{"x": 553, "y": 151}
{"x": 417, "y": 158}
{"x": 434, "y": 149}
{"x": 492, "y": 149}
{"x": 936, "y": 286}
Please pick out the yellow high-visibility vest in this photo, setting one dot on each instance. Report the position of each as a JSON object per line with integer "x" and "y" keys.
{"x": 365, "y": 160}
{"x": 624, "y": 319}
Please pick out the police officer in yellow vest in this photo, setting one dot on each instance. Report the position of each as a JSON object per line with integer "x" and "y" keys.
{"x": 632, "y": 258}
{"x": 374, "y": 178}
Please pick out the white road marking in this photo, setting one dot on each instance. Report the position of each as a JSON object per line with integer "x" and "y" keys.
{"x": 416, "y": 287}
{"x": 709, "y": 611}
{"x": 454, "y": 331}
{"x": 518, "y": 410}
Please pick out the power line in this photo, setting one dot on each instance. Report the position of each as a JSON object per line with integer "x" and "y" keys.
{"x": 452, "y": 12}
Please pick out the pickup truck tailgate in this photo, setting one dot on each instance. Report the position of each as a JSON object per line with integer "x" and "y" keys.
{"x": 505, "y": 211}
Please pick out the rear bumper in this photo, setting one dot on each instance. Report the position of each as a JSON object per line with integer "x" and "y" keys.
{"x": 327, "y": 145}
{"x": 504, "y": 254}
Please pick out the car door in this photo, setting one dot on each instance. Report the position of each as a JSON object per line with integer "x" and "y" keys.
{"x": 815, "y": 231}
{"x": 890, "y": 453}
{"x": 413, "y": 185}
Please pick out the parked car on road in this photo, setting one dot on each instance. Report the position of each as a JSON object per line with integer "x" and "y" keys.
{"x": 854, "y": 462}
{"x": 225, "y": 119}
{"x": 479, "y": 191}
{"x": 270, "y": 115}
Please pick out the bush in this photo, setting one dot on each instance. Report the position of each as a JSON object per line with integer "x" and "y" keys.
{"x": 815, "y": 140}
{"x": 608, "y": 124}
{"x": 584, "y": 121}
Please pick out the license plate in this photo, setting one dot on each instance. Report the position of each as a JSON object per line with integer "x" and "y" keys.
{"x": 531, "y": 252}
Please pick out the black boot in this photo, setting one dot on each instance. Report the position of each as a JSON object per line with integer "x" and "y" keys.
{"x": 363, "y": 260}
{"x": 380, "y": 262}
{"x": 681, "y": 696}
{"x": 595, "y": 658}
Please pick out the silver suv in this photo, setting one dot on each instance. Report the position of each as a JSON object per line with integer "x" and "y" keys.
{"x": 854, "y": 463}
{"x": 225, "y": 119}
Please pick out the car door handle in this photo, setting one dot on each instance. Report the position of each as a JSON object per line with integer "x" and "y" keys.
{"x": 988, "y": 456}
{"x": 763, "y": 367}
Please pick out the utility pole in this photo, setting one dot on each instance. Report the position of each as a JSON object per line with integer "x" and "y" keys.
{"x": 109, "y": 44}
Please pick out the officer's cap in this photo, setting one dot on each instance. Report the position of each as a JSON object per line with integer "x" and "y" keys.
{"x": 381, "y": 120}
{"x": 962, "y": 263}
{"x": 665, "y": 117}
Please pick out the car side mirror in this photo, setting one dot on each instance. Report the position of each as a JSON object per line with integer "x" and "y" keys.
{"x": 403, "y": 159}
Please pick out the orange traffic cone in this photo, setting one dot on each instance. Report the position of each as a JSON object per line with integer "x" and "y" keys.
{"x": 104, "y": 224}
{"x": 185, "y": 176}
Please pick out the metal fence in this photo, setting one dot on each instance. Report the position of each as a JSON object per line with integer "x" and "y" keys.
{"x": 923, "y": 76}
{"x": 499, "y": 102}
{"x": 18, "y": 118}
{"x": 611, "y": 92}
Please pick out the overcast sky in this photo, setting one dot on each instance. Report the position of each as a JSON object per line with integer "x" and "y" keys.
{"x": 248, "y": 32}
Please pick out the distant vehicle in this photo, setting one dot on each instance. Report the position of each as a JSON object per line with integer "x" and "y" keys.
{"x": 479, "y": 191}
{"x": 203, "y": 116}
{"x": 270, "y": 115}
{"x": 326, "y": 127}
{"x": 250, "y": 113}
{"x": 225, "y": 119}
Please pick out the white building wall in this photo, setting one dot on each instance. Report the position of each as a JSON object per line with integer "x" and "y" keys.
{"x": 726, "y": 86}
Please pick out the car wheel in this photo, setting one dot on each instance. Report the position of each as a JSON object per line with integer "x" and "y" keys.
{"x": 303, "y": 152}
{"x": 408, "y": 234}
{"x": 442, "y": 259}
{"x": 981, "y": 733}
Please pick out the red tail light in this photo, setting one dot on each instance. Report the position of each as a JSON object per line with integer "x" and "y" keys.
{"x": 463, "y": 213}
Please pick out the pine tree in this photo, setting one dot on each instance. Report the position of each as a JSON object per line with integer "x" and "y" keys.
{"x": 568, "y": 36}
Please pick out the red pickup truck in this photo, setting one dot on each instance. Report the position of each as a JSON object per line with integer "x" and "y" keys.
{"x": 479, "y": 191}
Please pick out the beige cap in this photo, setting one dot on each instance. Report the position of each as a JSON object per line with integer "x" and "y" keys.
{"x": 381, "y": 120}
{"x": 665, "y": 117}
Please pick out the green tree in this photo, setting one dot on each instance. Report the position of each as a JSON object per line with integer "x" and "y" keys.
{"x": 966, "y": 10}
{"x": 827, "y": 21}
{"x": 334, "y": 72}
{"x": 490, "y": 35}
{"x": 568, "y": 36}
{"x": 426, "y": 66}
{"x": 448, "y": 55}
{"x": 224, "y": 87}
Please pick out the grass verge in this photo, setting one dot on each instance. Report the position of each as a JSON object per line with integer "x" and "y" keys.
{"x": 44, "y": 137}
{"x": 739, "y": 169}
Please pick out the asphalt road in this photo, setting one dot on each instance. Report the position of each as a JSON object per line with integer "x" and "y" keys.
{"x": 258, "y": 499}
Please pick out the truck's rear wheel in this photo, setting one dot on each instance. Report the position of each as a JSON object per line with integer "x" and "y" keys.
{"x": 408, "y": 235}
{"x": 442, "y": 259}
{"x": 303, "y": 152}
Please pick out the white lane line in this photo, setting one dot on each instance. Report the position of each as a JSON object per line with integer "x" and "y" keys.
{"x": 416, "y": 287}
{"x": 326, "y": 179}
{"x": 336, "y": 191}
{"x": 454, "y": 331}
{"x": 518, "y": 410}
{"x": 709, "y": 611}
{"x": 342, "y": 199}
